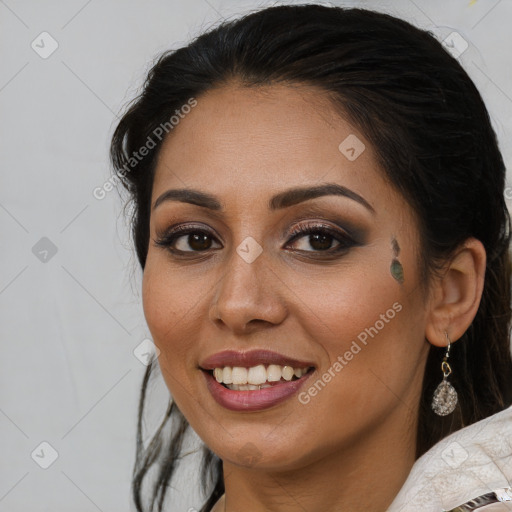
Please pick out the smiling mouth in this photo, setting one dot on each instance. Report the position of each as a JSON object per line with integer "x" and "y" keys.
{"x": 258, "y": 377}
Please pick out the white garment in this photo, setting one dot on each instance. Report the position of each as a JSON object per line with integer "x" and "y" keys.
{"x": 469, "y": 463}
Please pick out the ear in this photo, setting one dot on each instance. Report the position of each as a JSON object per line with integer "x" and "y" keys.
{"x": 455, "y": 295}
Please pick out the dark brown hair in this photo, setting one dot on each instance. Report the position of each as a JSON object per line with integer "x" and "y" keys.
{"x": 432, "y": 134}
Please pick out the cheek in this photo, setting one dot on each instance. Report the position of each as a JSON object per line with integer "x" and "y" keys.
{"x": 370, "y": 333}
{"x": 169, "y": 306}
{"x": 343, "y": 305}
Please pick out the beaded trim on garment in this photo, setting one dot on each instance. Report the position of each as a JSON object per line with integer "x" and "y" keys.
{"x": 497, "y": 496}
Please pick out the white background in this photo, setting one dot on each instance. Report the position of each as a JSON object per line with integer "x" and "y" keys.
{"x": 68, "y": 375}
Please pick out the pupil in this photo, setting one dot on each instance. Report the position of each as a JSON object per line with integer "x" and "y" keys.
{"x": 320, "y": 241}
{"x": 199, "y": 242}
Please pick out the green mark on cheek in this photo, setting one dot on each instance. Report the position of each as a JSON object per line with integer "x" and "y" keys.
{"x": 397, "y": 271}
{"x": 396, "y": 247}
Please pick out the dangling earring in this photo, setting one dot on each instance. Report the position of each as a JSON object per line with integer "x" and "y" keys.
{"x": 445, "y": 396}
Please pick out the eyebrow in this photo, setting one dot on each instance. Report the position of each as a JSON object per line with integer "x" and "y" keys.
{"x": 281, "y": 200}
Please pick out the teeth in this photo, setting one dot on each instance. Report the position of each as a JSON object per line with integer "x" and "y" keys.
{"x": 256, "y": 377}
{"x": 274, "y": 373}
{"x": 287, "y": 372}
{"x": 239, "y": 375}
{"x": 246, "y": 387}
{"x": 227, "y": 375}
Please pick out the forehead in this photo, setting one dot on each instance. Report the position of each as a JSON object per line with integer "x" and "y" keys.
{"x": 254, "y": 140}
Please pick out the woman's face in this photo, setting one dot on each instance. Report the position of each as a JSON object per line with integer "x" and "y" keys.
{"x": 326, "y": 280}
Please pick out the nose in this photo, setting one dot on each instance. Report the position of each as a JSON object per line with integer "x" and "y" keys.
{"x": 248, "y": 296}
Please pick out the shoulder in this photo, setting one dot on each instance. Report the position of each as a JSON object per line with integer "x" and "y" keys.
{"x": 472, "y": 462}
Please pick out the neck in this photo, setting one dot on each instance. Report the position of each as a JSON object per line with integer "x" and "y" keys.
{"x": 362, "y": 477}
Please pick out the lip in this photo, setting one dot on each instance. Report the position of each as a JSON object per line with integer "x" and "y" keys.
{"x": 253, "y": 400}
{"x": 251, "y": 358}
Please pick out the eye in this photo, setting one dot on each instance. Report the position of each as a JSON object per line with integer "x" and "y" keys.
{"x": 320, "y": 238}
{"x": 312, "y": 238}
{"x": 187, "y": 239}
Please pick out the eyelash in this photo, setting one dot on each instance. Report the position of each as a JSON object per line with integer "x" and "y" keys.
{"x": 344, "y": 240}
